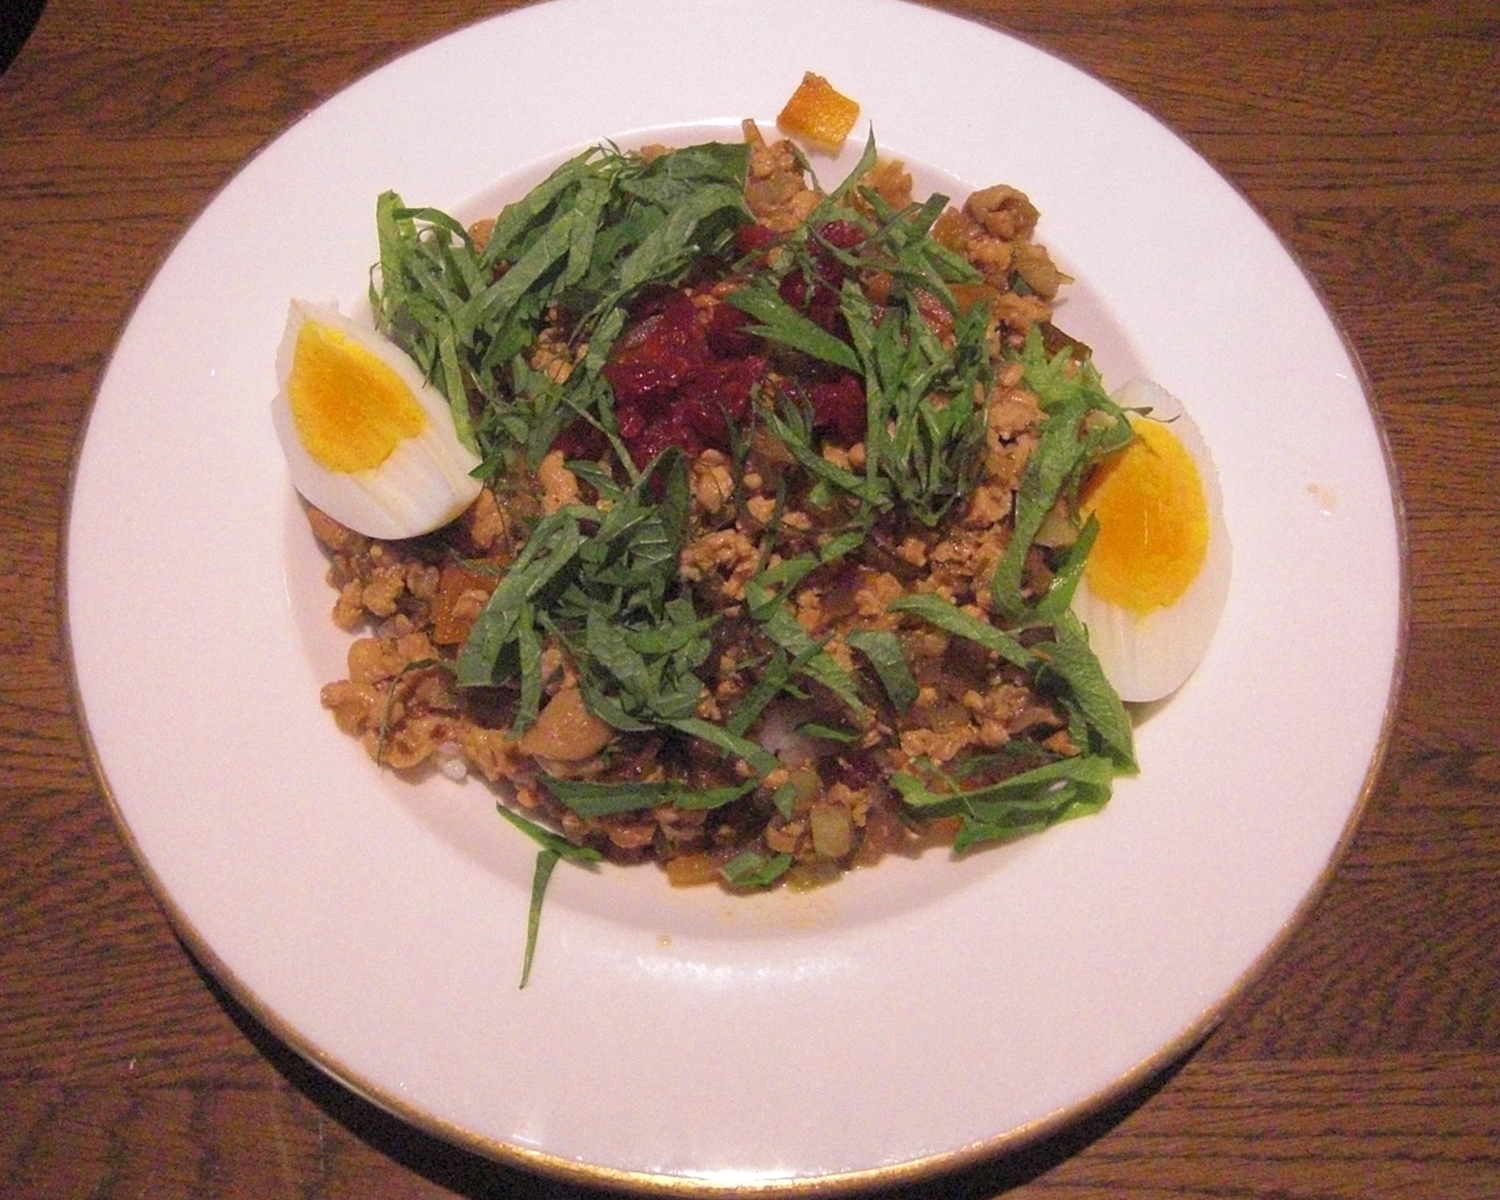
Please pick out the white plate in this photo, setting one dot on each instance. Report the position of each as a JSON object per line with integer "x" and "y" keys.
{"x": 911, "y": 1018}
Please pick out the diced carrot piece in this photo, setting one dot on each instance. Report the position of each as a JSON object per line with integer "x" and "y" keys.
{"x": 565, "y": 730}
{"x": 818, "y": 115}
{"x": 454, "y": 608}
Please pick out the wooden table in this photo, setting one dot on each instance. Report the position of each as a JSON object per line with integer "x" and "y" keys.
{"x": 1365, "y": 1062}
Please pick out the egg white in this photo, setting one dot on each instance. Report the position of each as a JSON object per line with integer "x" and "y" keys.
{"x": 422, "y": 485}
{"x": 1149, "y": 657}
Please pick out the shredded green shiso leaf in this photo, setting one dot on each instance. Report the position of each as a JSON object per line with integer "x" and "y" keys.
{"x": 603, "y": 583}
{"x": 591, "y": 237}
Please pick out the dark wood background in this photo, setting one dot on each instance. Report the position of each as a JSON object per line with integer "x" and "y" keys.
{"x": 1364, "y": 1063}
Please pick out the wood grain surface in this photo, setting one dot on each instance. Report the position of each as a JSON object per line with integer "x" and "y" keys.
{"x": 1364, "y": 1063}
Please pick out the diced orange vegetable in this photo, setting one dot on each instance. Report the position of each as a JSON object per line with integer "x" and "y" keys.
{"x": 948, "y": 231}
{"x": 565, "y": 730}
{"x": 818, "y": 115}
{"x": 967, "y": 295}
{"x": 452, "y": 616}
{"x": 694, "y": 870}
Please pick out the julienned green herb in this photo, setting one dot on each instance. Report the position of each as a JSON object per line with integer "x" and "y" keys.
{"x": 569, "y": 269}
{"x": 596, "y": 233}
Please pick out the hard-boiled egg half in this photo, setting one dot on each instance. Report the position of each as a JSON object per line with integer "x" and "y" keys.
{"x": 368, "y": 440}
{"x": 1156, "y": 580}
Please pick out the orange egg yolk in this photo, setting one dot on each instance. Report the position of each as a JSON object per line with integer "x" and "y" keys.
{"x": 350, "y": 408}
{"x": 1153, "y": 522}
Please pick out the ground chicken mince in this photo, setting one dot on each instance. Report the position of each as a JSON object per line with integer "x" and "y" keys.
{"x": 744, "y": 593}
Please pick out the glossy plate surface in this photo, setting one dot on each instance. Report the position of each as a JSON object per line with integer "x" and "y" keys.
{"x": 913, "y": 1016}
